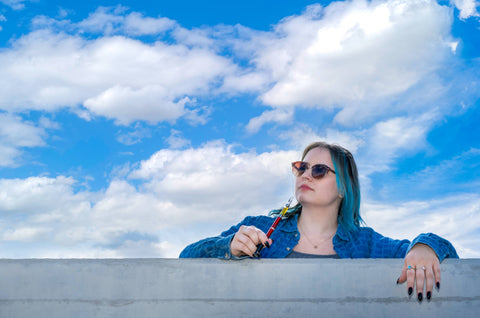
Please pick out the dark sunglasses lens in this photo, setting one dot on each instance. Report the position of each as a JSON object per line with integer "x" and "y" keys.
{"x": 300, "y": 168}
{"x": 318, "y": 171}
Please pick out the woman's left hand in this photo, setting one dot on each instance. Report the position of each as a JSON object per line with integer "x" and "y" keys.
{"x": 423, "y": 267}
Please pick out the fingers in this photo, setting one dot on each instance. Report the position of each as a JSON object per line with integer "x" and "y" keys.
{"x": 429, "y": 279}
{"x": 403, "y": 275}
{"x": 246, "y": 240}
{"x": 436, "y": 272}
{"x": 422, "y": 268}
{"x": 420, "y": 280}
{"x": 410, "y": 278}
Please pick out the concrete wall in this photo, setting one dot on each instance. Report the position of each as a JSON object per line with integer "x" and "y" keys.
{"x": 215, "y": 288}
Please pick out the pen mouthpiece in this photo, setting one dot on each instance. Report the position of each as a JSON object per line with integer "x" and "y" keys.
{"x": 289, "y": 202}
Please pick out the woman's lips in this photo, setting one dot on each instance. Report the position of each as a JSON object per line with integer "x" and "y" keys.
{"x": 305, "y": 187}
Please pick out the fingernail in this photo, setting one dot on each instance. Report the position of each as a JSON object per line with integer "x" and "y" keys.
{"x": 410, "y": 290}
{"x": 420, "y": 296}
{"x": 398, "y": 280}
{"x": 429, "y": 295}
{"x": 438, "y": 285}
{"x": 267, "y": 244}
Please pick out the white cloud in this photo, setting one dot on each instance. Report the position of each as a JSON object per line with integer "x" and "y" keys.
{"x": 16, "y": 134}
{"x": 194, "y": 37}
{"x": 123, "y": 209}
{"x": 392, "y": 138}
{"x": 35, "y": 196}
{"x": 379, "y": 144}
{"x": 111, "y": 20}
{"x": 376, "y": 147}
{"x": 47, "y": 123}
{"x": 215, "y": 171}
{"x": 135, "y": 136}
{"x": 302, "y": 135}
{"x": 177, "y": 190}
{"x": 26, "y": 234}
{"x": 281, "y": 116}
{"x": 210, "y": 184}
{"x": 176, "y": 140}
{"x": 185, "y": 195}
{"x": 353, "y": 54}
{"x": 453, "y": 175}
{"x": 398, "y": 133}
{"x": 468, "y": 8}
{"x": 108, "y": 21}
{"x": 197, "y": 115}
{"x": 116, "y": 77}
{"x": 15, "y": 4}
{"x": 455, "y": 218}
{"x": 150, "y": 103}
{"x": 252, "y": 81}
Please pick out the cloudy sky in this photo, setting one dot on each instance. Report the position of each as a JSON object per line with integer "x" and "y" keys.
{"x": 130, "y": 129}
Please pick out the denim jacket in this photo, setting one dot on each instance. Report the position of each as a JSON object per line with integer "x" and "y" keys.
{"x": 364, "y": 243}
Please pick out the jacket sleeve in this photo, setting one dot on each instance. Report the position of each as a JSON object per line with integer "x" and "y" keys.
{"x": 442, "y": 247}
{"x": 384, "y": 247}
{"x": 214, "y": 247}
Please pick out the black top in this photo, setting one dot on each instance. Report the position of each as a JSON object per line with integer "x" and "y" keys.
{"x": 295, "y": 254}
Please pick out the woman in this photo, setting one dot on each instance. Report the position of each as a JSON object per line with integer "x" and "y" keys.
{"x": 326, "y": 223}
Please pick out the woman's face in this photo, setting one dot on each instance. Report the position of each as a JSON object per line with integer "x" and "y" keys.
{"x": 321, "y": 192}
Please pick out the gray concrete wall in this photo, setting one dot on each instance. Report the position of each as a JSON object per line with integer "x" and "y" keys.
{"x": 215, "y": 288}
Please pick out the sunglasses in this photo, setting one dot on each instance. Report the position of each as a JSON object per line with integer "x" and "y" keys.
{"x": 318, "y": 171}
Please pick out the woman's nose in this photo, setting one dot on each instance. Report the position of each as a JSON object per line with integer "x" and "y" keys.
{"x": 307, "y": 174}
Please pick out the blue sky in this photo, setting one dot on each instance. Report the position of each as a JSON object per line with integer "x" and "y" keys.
{"x": 130, "y": 129}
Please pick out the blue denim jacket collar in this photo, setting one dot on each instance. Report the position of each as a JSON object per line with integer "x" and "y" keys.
{"x": 342, "y": 233}
{"x": 290, "y": 224}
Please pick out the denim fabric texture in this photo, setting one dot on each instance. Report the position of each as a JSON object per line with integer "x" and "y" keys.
{"x": 364, "y": 243}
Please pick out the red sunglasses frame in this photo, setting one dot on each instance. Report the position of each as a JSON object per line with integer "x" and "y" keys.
{"x": 318, "y": 171}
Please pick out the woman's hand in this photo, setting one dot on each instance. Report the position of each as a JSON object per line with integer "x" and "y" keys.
{"x": 246, "y": 239}
{"x": 423, "y": 267}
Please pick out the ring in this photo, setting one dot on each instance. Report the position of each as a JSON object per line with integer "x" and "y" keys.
{"x": 410, "y": 267}
{"x": 423, "y": 267}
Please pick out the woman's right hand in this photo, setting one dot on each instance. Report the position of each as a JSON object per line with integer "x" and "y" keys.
{"x": 246, "y": 240}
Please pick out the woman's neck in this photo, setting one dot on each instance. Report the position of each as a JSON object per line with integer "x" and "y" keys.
{"x": 318, "y": 221}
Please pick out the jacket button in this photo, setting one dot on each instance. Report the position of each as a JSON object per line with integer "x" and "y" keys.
{"x": 288, "y": 248}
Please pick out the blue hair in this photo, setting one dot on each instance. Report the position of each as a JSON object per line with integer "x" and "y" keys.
{"x": 348, "y": 186}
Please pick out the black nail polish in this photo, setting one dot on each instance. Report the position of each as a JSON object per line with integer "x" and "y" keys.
{"x": 420, "y": 296}
{"x": 267, "y": 244}
{"x": 429, "y": 295}
{"x": 398, "y": 280}
{"x": 438, "y": 285}
{"x": 410, "y": 290}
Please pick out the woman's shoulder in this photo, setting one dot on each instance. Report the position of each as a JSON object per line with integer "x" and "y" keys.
{"x": 368, "y": 231}
{"x": 370, "y": 234}
{"x": 361, "y": 232}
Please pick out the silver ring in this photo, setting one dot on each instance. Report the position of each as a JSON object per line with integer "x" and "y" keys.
{"x": 423, "y": 267}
